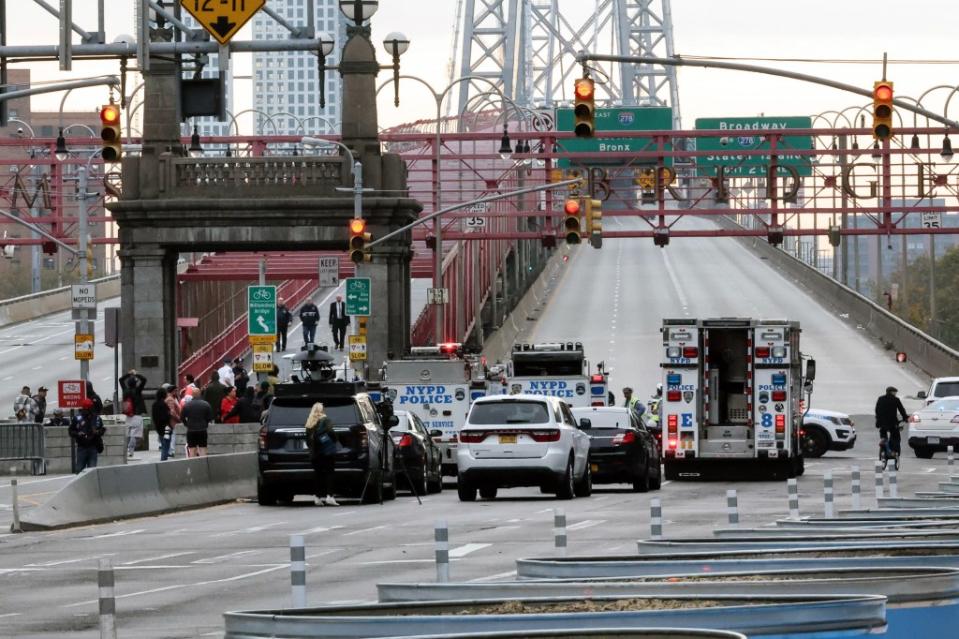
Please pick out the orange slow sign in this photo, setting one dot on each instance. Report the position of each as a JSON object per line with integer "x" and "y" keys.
{"x": 222, "y": 18}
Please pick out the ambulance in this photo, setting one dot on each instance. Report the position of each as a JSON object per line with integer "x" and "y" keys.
{"x": 438, "y": 384}
{"x": 557, "y": 369}
{"x": 732, "y": 393}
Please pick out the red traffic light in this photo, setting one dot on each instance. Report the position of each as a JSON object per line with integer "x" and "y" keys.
{"x": 584, "y": 88}
{"x": 571, "y": 207}
{"x": 882, "y": 92}
{"x": 110, "y": 114}
{"x": 357, "y": 226}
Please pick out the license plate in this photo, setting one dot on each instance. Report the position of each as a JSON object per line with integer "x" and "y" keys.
{"x": 594, "y": 468}
{"x": 933, "y": 440}
{"x": 507, "y": 439}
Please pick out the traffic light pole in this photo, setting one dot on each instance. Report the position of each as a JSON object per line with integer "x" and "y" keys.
{"x": 83, "y": 326}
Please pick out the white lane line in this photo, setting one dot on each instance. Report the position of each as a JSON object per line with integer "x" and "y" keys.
{"x": 36, "y": 368}
{"x": 500, "y": 575}
{"x": 318, "y": 529}
{"x": 588, "y": 523}
{"x": 675, "y": 280}
{"x": 396, "y": 561}
{"x": 122, "y": 533}
{"x": 10, "y": 614}
{"x": 64, "y": 562}
{"x": 157, "y": 558}
{"x": 246, "y": 531}
{"x": 363, "y": 530}
{"x": 62, "y": 358}
{"x": 666, "y": 481}
{"x": 220, "y": 558}
{"x": 467, "y": 549}
{"x": 8, "y": 378}
{"x": 10, "y": 571}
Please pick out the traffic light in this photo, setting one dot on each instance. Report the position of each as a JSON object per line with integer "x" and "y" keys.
{"x": 594, "y": 221}
{"x": 584, "y": 108}
{"x": 358, "y": 239}
{"x": 110, "y": 132}
{"x": 835, "y": 236}
{"x": 572, "y": 211}
{"x": 882, "y": 110}
{"x": 775, "y": 235}
{"x": 49, "y": 247}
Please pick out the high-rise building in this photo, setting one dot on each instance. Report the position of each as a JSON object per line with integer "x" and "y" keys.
{"x": 286, "y": 85}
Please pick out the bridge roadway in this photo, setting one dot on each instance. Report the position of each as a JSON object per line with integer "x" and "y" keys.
{"x": 177, "y": 573}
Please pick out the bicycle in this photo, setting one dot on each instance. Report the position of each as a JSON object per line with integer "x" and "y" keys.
{"x": 886, "y": 452}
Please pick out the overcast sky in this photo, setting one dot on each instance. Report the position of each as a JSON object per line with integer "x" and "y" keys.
{"x": 833, "y": 29}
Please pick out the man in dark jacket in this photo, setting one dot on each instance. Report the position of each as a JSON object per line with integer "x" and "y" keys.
{"x": 339, "y": 321}
{"x": 283, "y": 319}
{"x": 246, "y": 408}
{"x": 133, "y": 382}
{"x": 87, "y": 431}
{"x": 214, "y": 393}
{"x": 196, "y": 416}
{"x": 263, "y": 396}
{"x": 41, "y": 399}
{"x": 888, "y": 411}
{"x": 310, "y": 316}
{"x": 240, "y": 377}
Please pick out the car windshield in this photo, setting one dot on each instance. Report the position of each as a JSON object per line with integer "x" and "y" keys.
{"x": 509, "y": 412}
{"x": 946, "y": 389}
{"x": 294, "y": 413}
{"x": 946, "y": 404}
{"x": 604, "y": 419}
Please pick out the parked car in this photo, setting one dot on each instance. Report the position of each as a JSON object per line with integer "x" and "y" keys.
{"x": 939, "y": 388}
{"x": 522, "y": 440}
{"x": 622, "y": 449}
{"x": 364, "y": 461}
{"x": 935, "y": 427}
{"x": 825, "y": 430}
{"x": 418, "y": 459}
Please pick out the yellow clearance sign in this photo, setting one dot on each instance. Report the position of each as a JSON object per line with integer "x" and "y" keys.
{"x": 222, "y": 18}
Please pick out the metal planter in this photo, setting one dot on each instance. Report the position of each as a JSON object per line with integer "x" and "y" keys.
{"x": 772, "y": 617}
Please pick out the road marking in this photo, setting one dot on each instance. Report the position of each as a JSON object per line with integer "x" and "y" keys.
{"x": 10, "y": 614}
{"x": 63, "y": 562}
{"x": 10, "y": 571}
{"x": 8, "y": 378}
{"x": 63, "y": 358}
{"x": 157, "y": 558}
{"x": 107, "y": 378}
{"x": 363, "y": 530}
{"x": 318, "y": 529}
{"x": 588, "y": 523}
{"x": 246, "y": 531}
{"x": 664, "y": 482}
{"x": 220, "y": 558}
{"x": 674, "y": 280}
{"x": 122, "y": 533}
{"x": 396, "y": 561}
{"x": 467, "y": 549}
{"x": 36, "y": 368}
{"x": 501, "y": 575}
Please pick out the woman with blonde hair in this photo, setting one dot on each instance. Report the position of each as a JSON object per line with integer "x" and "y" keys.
{"x": 321, "y": 440}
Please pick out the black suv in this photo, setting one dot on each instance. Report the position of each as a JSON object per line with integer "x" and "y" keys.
{"x": 364, "y": 461}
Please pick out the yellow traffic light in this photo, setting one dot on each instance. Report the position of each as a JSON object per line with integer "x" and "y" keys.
{"x": 882, "y": 110}
{"x": 571, "y": 223}
{"x": 584, "y": 108}
{"x": 594, "y": 221}
{"x": 358, "y": 239}
{"x": 110, "y": 132}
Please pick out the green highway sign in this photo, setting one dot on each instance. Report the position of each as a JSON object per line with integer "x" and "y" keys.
{"x": 358, "y": 296}
{"x": 261, "y": 310}
{"x": 738, "y": 134}
{"x": 616, "y": 119}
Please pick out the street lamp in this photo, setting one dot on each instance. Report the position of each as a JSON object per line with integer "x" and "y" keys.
{"x": 505, "y": 150}
{"x": 396, "y": 45}
{"x": 61, "y": 151}
{"x": 195, "y": 149}
{"x": 326, "y": 48}
{"x": 946, "y": 152}
{"x": 359, "y": 11}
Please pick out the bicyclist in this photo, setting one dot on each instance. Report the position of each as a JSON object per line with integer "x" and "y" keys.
{"x": 888, "y": 411}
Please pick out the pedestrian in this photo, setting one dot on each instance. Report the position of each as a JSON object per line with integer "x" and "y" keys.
{"x": 174, "y": 406}
{"x": 186, "y": 396}
{"x": 227, "y": 416}
{"x": 310, "y": 316}
{"x": 240, "y": 377}
{"x": 87, "y": 432}
{"x": 273, "y": 378}
{"x": 24, "y": 406}
{"x": 134, "y": 422}
{"x": 41, "y": 401}
{"x": 226, "y": 372}
{"x": 92, "y": 396}
{"x": 133, "y": 382}
{"x": 632, "y": 403}
{"x": 889, "y": 409}
{"x": 264, "y": 396}
{"x": 214, "y": 393}
{"x": 246, "y": 410}
{"x": 283, "y": 319}
{"x": 58, "y": 418}
{"x": 321, "y": 440}
{"x": 161, "y": 422}
{"x": 197, "y": 417}
{"x": 339, "y": 321}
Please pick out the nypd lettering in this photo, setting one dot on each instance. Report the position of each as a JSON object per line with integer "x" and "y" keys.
{"x": 425, "y": 394}
{"x": 553, "y": 388}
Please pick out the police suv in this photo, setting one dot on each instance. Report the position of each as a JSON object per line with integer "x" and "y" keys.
{"x": 436, "y": 383}
{"x": 556, "y": 369}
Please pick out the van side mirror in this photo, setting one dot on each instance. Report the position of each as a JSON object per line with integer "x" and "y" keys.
{"x": 811, "y": 370}
{"x": 392, "y": 421}
{"x": 436, "y": 433}
{"x": 921, "y": 395}
{"x": 585, "y": 423}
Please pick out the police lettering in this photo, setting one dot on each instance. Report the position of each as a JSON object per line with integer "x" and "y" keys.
{"x": 553, "y": 388}
{"x": 768, "y": 387}
{"x": 425, "y": 395}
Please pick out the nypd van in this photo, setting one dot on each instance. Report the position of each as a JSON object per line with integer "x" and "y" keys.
{"x": 436, "y": 383}
{"x": 556, "y": 369}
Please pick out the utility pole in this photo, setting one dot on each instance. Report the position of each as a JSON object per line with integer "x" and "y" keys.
{"x": 83, "y": 325}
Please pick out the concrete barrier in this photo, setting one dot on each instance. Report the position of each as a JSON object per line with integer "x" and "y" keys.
{"x": 223, "y": 439}
{"x": 29, "y": 307}
{"x": 107, "y": 493}
{"x": 929, "y": 354}
{"x": 57, "y": 450}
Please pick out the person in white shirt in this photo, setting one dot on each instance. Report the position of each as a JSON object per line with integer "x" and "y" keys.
{"x": 226, "y": 373}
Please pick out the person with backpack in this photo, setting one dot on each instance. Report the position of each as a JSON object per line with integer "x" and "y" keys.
{"x": 161, "y": 423}
{"x": 321, "y": 440}
{"x": 134, "y": 422}
{"x": 87, "y": 433}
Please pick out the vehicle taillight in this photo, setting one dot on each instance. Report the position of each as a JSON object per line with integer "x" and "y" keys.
{"x": 363, "y": 438}
{"x": 263, "y": 438}
{"x": 545, "y": 435}
{"x": 914, "y": 418}
{"x": 596, "y": 379}
{"x": 624, "y": 438}
{"x": 779, "y": 396}
{"x": 690, "y": 351}
{"x": 672, "y": 442}
{"x": 597, "y": 404}
{"x": 762, "y": 351}
{"x": 405, "y": 441}
{"x": 673, "y": 396}
{"x": 472, "y": 436}
{"x": 672, "y": 421}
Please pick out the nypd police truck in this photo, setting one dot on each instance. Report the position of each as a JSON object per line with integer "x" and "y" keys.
{"x": 557, "y": 369}
{"x": 437, "y": 384}
{"x": 732, "y": 390}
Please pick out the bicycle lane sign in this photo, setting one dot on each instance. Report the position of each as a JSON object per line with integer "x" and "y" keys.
{"x": 261, "y": 311}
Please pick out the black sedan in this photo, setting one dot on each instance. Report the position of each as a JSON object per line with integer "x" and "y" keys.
{"x": 418, "y": 460}
{"x": 621, "y": 448}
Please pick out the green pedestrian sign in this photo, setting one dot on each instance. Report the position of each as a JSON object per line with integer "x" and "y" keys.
{"x": 616, "y": 119}
{"x": 738, "y": 134}
{"x": 358, "y": 296}
{"x": 261, "y": 311}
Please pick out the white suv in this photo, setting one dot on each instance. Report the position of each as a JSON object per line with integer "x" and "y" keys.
{"x": 939, "y": 388}
{"x": 522, "y": 440}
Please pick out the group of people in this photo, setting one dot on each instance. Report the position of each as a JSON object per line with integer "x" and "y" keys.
{"x": 310, "y": 316}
